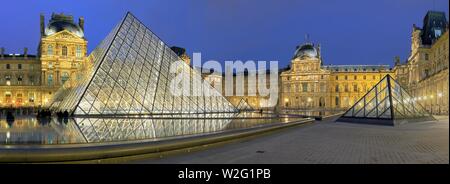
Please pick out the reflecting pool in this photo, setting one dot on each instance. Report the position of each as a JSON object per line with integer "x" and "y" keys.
{"x": 28, "y": 130}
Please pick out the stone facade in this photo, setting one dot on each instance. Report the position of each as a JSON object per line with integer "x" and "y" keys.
{"x": 309, "y": 85}
{"x": 31, "y": 80}
{"x": 425, "y": 73}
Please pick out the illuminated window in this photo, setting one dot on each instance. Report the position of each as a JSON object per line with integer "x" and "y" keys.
{"x": 78, "y": 51}
{"x": 49, "y": 50}
{"x": 31, "y": 97}
{"x": 8, "y": 80}
{"x": 305, "y": 87}
{"x": 50, "y": 80}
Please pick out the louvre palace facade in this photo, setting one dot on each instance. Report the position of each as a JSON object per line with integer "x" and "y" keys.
{"x": 307, "y": 84}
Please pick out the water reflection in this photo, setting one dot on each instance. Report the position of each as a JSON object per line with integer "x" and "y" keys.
{"x": 95, "y": 130}
{"x": 34, "y": 131}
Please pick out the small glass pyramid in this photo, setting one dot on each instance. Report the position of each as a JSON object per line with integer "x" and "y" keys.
{"x": 386, "y": 103}
{"x": 131, "y": 72}
{"x": 244, "y": 106}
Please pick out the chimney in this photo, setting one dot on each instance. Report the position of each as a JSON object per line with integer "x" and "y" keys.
{"x": 25, "y": 52}
{"x": 396, "y": 60}
{"x": 318, "y": 51}
{"x": 2, "y": 52}
{"x": 81, "y": 23}
{"x": 42, "y": 24}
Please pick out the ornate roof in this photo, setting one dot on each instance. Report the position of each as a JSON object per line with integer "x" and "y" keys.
{"x": 60, "y": 22}
{"x": 306, "y": 50}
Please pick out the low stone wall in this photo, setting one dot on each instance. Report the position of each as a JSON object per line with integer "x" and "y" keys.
{"x": 84, "y": 152}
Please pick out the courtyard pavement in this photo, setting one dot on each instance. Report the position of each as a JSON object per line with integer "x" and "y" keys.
{"x": 333, "y": 143}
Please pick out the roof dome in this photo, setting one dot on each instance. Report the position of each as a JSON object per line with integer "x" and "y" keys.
{"x": 306, "y": 50}
{"x": 61, "y": 22}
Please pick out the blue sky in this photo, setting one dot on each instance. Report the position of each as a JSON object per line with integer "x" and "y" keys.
{"x": 349, "y": 31}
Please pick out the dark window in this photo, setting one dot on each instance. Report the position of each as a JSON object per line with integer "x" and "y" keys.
{"x": 355, "y": 77}
{"x": 19, "y": 66}
{"x": 8, "y": 66}
{"x": 64, "y": 51}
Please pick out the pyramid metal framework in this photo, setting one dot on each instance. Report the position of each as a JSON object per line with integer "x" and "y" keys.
{"x": 386, "y": 103}
{"x": 244, "y": 106}
{"x": 131, "y": 74}
{"x": 126, "y": 129}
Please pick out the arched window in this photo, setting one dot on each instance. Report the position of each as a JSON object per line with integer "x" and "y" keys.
{"x": 64, "y": 77}
{"x": 64, "y": 50}
{"x": 78, "y": 51}
{"x": 49, "y": 50}
{"x": 50, "y": 80}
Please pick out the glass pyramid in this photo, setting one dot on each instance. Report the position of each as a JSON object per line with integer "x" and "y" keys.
{"x": 386, "y": 103}
{"x": 244, "y": 106}
{"x": 130, "y": 73}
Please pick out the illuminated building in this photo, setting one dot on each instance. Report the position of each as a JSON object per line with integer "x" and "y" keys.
{"x": 310, "y": 85}
{"x": 132, "y": 73}
{"x": 31, "y": 80}
{"x": 425, "y": 74}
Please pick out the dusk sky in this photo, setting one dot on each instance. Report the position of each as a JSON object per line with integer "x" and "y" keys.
{"x": 349, "y": 31}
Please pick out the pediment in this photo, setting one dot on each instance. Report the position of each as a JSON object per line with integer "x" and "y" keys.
{"x": 63, "y": 35}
